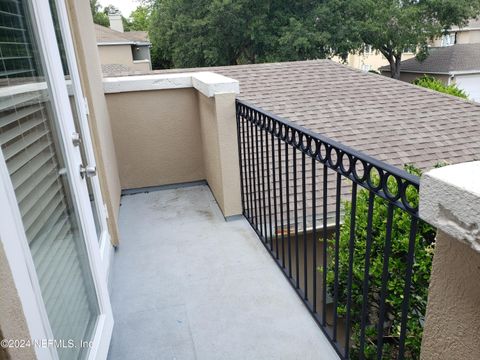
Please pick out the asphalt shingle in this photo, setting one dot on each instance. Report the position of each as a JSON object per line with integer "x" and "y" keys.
{"x": 445, "y": 60}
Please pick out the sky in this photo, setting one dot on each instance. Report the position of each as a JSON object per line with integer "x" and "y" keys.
{"x": 125, "y": 6}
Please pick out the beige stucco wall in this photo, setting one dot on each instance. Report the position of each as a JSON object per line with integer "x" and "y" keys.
{"x": 220, "y": 150}
{"x": 452, "y": 329}
{"x": 13, "y": 325}
{"x": 375, "y": 59}
{"x": 89, "y": 65}
{"x": 175, "y": 136}
{"x": 157, "y": 137}
{"x": 121, "y": 54}
{"x": 468, "y": 37}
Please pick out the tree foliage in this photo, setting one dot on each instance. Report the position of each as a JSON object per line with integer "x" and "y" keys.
{"x": 390, "y": 26}
{"x": 99, "y": 16}
{"x": 424, "y": 245}
{"x": 430, "y": 82}
{"x": 187, "y": 33}
{"x": 139, "y": 19}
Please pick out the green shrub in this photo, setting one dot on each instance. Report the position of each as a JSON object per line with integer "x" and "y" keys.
{"x": 430, "y": 82}
{"x": 424, "y": 244}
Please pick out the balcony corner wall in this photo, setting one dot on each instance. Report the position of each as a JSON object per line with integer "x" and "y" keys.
{"x": 177, "y": 128}
{"x": 219, "y": 143}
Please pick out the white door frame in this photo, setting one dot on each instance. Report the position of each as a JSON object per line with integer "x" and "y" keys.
{"x": 12, "y": 232}
{"x": 106, "y": 248}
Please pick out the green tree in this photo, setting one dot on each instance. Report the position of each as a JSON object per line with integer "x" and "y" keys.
{"x": 389, "y": 26}
{"x": 140, "y": 19}
{"x": 99, "y": 17}
{"x": 430, "y": 82}
{"x": 187, "y": 33}
{"x": 424, "y": 245}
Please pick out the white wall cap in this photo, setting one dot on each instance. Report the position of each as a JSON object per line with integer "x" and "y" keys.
{"x": 450, "y": 201}
{"x": 208, "y": 83}
{"x": 146, "y": 82}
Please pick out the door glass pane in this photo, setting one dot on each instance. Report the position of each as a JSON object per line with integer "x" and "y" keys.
{"x": 31, "y": 146}
{"x": 74, "y": 103}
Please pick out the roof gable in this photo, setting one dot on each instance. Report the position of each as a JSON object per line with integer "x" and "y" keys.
{"x": 445, "y": 60}
{"x": 106, "y": 35}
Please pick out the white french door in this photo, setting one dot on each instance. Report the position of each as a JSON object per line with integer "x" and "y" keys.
{"x": 82, "y": 136}
{"x": 52, "y": 215}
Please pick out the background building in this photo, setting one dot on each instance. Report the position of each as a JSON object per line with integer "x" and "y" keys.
{"x": 128, "y": 51}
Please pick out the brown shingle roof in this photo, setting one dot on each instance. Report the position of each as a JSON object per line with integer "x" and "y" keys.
{"x": 390, "y": 120}
{"x": 107, "y": 35}
{"x": 445, "y": 60}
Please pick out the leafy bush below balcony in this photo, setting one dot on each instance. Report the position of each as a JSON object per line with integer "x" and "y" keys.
{"x": 424, "y": 246}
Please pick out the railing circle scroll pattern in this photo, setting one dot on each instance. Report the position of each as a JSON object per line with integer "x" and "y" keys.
{"x": 360, "y": 168}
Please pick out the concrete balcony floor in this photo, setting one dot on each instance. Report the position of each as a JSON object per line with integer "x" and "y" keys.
{"x": 188, "y": 285}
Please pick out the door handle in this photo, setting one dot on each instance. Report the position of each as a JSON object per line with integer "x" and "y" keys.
{"x": 88, "y": 171}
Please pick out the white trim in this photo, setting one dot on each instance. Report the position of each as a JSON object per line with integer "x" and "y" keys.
{"x": 451, "y": 73}
{"x": 15, "y": 244}
{"x": 83, "y": 111}
{"x": 464, "y": 72}
{"x": 464, "y": 29}
{"x": 208, "y": 83}
{"x": 141, "y": 61}
{"x": 114, "y": 43}
{"x": 103, "y": 331}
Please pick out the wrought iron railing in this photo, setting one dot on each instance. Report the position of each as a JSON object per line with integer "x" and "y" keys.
{"x": 334, "y": 221}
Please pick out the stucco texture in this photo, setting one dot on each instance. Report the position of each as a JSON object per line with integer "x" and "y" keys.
{"x": 452, "y": 326}
{"x": 157, "y": 137}
{"x": 176, "y": 136}
{"x": 219, "y": 142}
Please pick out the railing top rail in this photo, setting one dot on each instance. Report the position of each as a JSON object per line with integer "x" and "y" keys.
{"x": 414, "y": 180}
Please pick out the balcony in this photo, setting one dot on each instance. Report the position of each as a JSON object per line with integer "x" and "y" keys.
{"x": 217, "y": 191}
{"x": 189, "y": 285}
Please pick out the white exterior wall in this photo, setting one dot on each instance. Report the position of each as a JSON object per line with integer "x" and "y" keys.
{"x": 470, "y": 83}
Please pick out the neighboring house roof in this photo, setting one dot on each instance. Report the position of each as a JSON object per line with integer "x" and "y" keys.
{"x": 107, "y": 36}
{"x": 449, "y": 60}
{"x": 391, "y": 120}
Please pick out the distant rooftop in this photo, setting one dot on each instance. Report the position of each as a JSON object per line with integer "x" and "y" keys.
{"x": 445, "y": 60}
{"x": 107, "y": 36}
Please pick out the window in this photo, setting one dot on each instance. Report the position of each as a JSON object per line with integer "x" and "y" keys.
{"x": 140, "y": 52}
{"x": 367, "y": 49}
{"x": 366, "y": 67}
{"x": 448, "y": 40}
